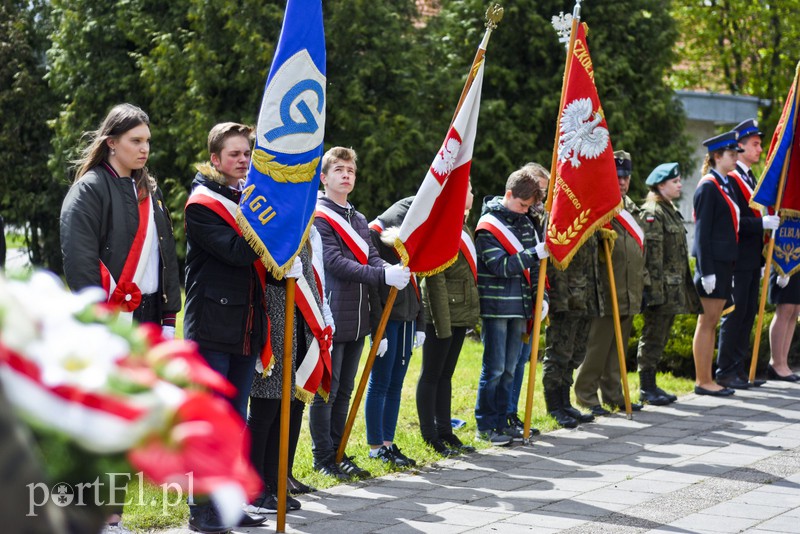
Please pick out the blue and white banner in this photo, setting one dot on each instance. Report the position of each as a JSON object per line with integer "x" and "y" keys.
{"x": 787, "y": 246}
{"x": 277, "y": 206}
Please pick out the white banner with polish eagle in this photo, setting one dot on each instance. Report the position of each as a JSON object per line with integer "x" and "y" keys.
{"x": 428, "y": 241}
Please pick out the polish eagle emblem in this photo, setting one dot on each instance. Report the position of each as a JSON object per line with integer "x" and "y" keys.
{"x": 446, "y": 157}
{"x": 580, "y": 133}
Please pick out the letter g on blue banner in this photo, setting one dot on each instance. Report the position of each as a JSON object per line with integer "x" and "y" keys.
{"x": 279, "y": 198}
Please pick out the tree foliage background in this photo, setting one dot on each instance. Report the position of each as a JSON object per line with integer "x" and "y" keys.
{"x": 394, "y": 78}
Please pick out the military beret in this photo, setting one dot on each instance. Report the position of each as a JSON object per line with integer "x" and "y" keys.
{"x": 623, "y": 161}
{"x": 748, "y": 128}
{"x": 665, "y": 171}
{"x": 725, "y": 141}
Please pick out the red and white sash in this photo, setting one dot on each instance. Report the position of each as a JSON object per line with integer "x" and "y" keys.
{"x": 125, "y": 293}
{"x": 467, "y": 248}
{"x": 314, "y": 373}
{"x": 734, "y": 209}
{"x": 628, "y": 221}
{"x": 505, "y": 236}
{"x": 226, "y": 209}
{"x": 744, "y": 187}
{"x": 354, "y": 242}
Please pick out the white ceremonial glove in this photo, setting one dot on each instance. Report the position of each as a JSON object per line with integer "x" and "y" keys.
{"x": 168, "y": 332}
{"x": 383, "y": 346}
{"x": 397, "y": 276}
{"x": 541, "y": 251}
{"x": 296, "y": 270}
{"x": 782, "y": 281}
{"x": 545, "y": 309}
{"x": 762, "y": 272}
{"x": 709, "y": 282}
{"x": 420, "y": 339}
{"x": 770, "y": 222}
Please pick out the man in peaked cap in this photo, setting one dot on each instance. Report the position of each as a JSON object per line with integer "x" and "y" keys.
{"x": 734, "y": 336}
{"x": 600, "y": 369}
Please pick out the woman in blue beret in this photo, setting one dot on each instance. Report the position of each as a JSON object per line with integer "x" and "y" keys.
{"x": 715, "y": 248}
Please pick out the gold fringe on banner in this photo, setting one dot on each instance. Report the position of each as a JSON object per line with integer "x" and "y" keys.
{"x": 561, "y": 265}
{"x": 278, "y": 271}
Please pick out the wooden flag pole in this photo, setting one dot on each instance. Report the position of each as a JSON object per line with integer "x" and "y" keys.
{"x": 771, "y": 246}
{"x": 537, "y": 307}
{"x": 362, "y": 384}
{"x": 493, "y": 16}
{"x": 765, "y": 281}
{"x": 286, "y": 402}
{"x": 623, "y": 368}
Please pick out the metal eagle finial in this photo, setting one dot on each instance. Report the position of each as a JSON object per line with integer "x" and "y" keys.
{"x": 494, "y": 14}
{"x": 563, "y": 26}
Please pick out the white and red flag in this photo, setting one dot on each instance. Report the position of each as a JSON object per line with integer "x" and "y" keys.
{"x": 586, "y": 193}
{"x": 430, "y": 235}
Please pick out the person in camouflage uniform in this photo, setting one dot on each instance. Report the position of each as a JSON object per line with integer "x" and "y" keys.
{"x": 671, "y": 290}
{"x": 575, "y": 300}
{"x": 601, "y": 367}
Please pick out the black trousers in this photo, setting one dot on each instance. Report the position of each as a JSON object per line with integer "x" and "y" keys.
{"x": 264, "y": 422}
{"x": 434, "y": 389}
{"x": 734, "y": 353}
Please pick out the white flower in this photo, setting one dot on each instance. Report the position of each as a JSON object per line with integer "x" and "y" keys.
{"x": 76, "y": 353}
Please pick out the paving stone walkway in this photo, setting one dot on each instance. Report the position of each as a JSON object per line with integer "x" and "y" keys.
{"x": 701, "y": 465}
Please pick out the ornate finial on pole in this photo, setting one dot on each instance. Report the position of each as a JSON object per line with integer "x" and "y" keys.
{"x": 494, "y": 14}
{"x": 563, "y": 26}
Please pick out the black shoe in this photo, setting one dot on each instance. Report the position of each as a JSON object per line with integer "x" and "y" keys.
{"x": 578, "y": 415}
{"x": 670, "y": 397}
{"x": 455, "y": 443}
{"x": 635, "y": 407}
{"x": 756, "y": 383}
{"x": 399, "y": 456}
{"x": 772, "y": 374}
{"x": 733, "y": 383}
{"x": 442, "y": 448}
{"x": 298, "y": 488}
{"x": 515, "y": 421}
{"x": 331, "y": 469}
{"x": 203, "y": 518}
{"x": 652, "y": 396}
{"x": 251, "y": 520}
{"x": 724, "y": 392}
{"x": 349, "y": 468}
{"x": 263, "y": 504}
{"x": 598, "y": 410}
{"x": 564, "y": 419}
{"x": 494, "y": 438}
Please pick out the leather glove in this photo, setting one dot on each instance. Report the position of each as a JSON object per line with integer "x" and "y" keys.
{"x": 782, "y": 281}
{"x": 383, "y": 346}
{"x": 397, "y": 276}
{"x": 420, "y": 339}
{"x": 541, "y": 251}
{"x": 296, "y": 270}
{"x": 545, "y": 309}
{"x": 709, "y": 282}
{"x": 770, "y": 222}
{"x": 168, "y": 332}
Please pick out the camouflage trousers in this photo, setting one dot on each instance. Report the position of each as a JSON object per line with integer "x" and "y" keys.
{"x": 655, "y": 334}
{"x": 566, "y": 348}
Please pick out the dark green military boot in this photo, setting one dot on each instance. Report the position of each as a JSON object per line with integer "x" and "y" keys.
{"x": 553, "y": 400}
{"x": 648, "y": 392}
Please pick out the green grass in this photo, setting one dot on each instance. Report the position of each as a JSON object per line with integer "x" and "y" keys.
{"x": 14, "y": 240}
{"x": 465, "y": 382}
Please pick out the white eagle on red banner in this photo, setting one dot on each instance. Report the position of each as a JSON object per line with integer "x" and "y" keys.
{"x": 580, "y": 133}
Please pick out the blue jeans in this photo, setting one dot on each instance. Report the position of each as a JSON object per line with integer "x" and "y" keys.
{"x": 382, "y": 404}
{"x": 519, "y": 374}
{"x": 502, "y": 341}
{"x": 239, "y": 370}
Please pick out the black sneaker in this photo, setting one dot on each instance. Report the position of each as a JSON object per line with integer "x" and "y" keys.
{"x": 349, "y": 468}
{"x": 455, "y": 443}
{"x": 400, "y": 456}
{"x": 331, "y": 469}
{"x": 493, "y": 437}
{"x": 298, "y": 488}
{"x": 204, "y": 518}
{"x": 384, "y": 454}
{"x": 442, "y": 448}
{"x": 516, "y": 422}
{"x": 513, "y": 432}
{"x": 263, "y": 504}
